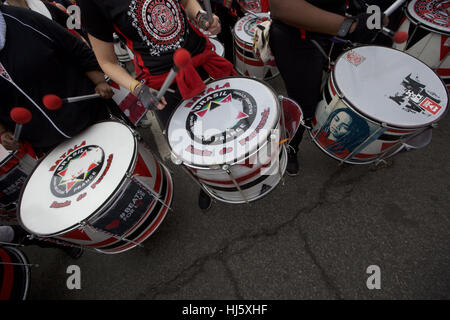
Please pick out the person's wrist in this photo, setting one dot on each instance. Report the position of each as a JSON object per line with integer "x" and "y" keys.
{"x": 134, "y": 85}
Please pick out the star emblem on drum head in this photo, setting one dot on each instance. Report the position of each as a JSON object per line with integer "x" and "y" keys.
{"x": 213, "y": 104}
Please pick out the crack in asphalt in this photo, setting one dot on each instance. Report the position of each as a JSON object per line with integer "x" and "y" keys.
{"x": 223, "y": 254}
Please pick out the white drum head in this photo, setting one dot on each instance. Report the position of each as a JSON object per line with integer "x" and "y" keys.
{"x": 390, "y": 87}
{"x": 431, "y": 13}
{"x": 218, "y": 47}
{"x": 244, "y": 29}
{"x": 229, "y": 120}
{"x": 74, "y": 180}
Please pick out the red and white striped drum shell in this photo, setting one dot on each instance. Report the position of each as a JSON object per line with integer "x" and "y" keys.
{"x": 101, "y": 189}
{"x": 427, "y": 23}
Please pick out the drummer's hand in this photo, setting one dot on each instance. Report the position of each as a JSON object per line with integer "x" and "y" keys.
{"x": 204, "y": 24}
{"x": 227, "y": 3}
{"x": 104, "y": 90}
{"x": 148, "y": 97}
{"x": 7, "y": 140}
{"x": 162, "y": 104}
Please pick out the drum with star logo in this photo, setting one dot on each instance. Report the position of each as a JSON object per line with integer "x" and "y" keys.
{"x": 228, "y": 138}
{"x": 102, "y": 189}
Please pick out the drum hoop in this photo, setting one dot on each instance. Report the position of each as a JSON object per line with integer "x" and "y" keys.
{"x": 247, "y": 155}
{"x": 380, "y": 122}
{"x": 99, "y": 210}
{"x": 7, "y": 158}
{"x": 422, "y": 25}
{"x": 21, "y": 256}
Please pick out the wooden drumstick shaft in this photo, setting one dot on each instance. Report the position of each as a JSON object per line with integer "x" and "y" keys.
{"x": 393, "y": 7}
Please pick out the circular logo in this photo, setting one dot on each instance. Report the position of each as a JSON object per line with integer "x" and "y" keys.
{"x": 435, "y": 12}
{"x": 77, "y": 171}
{"x": 159, "y": 23}
{"x": 221, "y": 117}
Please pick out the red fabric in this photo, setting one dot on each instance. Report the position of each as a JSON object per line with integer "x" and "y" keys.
{"x": 265, "y": 6}
{"x": 188, "y": 80}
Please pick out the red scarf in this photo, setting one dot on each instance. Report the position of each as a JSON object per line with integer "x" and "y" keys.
{"x": 188, "y": 80}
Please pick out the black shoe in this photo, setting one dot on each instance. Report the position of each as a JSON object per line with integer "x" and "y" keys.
{"x": 73, "y": 252}
{"x": 204, "y": 201}
{"x": 292, "y": 164}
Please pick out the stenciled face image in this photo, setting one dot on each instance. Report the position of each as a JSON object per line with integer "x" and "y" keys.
{"x": 339, "y": 125}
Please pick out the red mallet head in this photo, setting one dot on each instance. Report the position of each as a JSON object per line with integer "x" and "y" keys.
{"x": 20, "y": 115}
{"x": 400, "y": 37}
{"x": 52, "y": 102}
{"x": 181, "y": 58}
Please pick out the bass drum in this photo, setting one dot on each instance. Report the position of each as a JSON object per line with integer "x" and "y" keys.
{"x": 14, "y": 274}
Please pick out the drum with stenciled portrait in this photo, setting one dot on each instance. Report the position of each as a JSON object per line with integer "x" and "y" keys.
{"x": 427, "y": 23}
{"x": 228, "y": 139}
{"x": 377, "y": 102}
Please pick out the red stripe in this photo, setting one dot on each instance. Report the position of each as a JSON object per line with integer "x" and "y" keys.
{"x": 332, "y": 89}
{"x": 444, "y": 49}
{"x": 244, "y": 45}
{"x": 400, "y": 131}
{"x": 443, "y": 72}
{"x": 249, "y": 61}
{"x": 8, "y": 276}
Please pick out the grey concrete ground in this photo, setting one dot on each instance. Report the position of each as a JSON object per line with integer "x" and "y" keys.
{"x": 313, "y": 237}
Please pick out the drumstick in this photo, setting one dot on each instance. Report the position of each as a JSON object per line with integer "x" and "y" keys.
{"x": 181, "y": 59}
{"x": 20, "y": 116}
{"x": 207, "y": 4}
{"x": 53, "y": 102}
{"x": 393, "y": 7}
{"x": 397, "y": 37}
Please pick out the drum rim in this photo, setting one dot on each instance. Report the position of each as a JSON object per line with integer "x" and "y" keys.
{"x": 235, "y": 36}
{"x": 385, "y": 123}
{"x": 247, "y": 155}
{"x": 420, "y": 24}
{"x": 284, "y": 150}
{"x": 21, "y": 256}
{"x": 100, "y": 209}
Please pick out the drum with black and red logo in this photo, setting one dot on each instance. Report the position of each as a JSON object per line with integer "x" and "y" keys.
{"x": 377, "y": 102}
{"x": 250, "y": 5}
{"x": 102, "y": 189}
{"x": 245, "y": 60}
{"x": 228, "y": 139}
{"x": 428, "y": 24}
{"x": 14, "y": 274}
{"x": 15, "y": 166}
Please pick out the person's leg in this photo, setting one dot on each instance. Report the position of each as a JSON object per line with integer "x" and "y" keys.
{"x": 301, "y": 65}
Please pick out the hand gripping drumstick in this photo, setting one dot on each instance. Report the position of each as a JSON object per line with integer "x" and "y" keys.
{"x": 181, "y": 59}
{"x": 207, "y": 4}
{"x": 53, "y": 102}
{"x": 20, "y": 116}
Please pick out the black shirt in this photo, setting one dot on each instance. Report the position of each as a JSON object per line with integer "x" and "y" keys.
{"x": 42, "y": 58}
{"x": 153, "y": 29}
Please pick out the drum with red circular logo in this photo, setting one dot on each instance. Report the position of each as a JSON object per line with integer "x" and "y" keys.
{"x": 14, "y": 274}
{"x": 250, "y": 5}
{"x": 102, "y": 189}
{"x": 428, "y": 24}
{"x": 245, "y": 60}
{"x": 228, "y": 139}
{"x": 15, "y": 166}
{"x": 377, "y": 102}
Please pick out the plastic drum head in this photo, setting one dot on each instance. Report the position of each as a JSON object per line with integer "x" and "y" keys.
{"x": 391, "y": 87}
{"x": 74, "y": 180}
{"x": 244, "y": 29}
{"x": 433, "y": 14}
{"x": 218, "y": 47}
{"x": 230, "y": 120}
